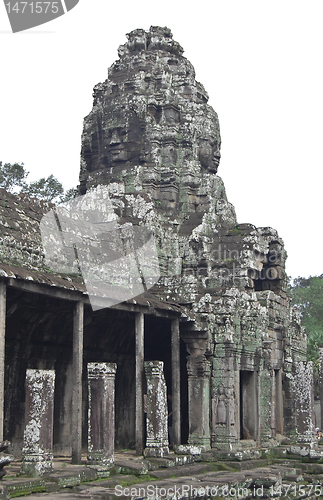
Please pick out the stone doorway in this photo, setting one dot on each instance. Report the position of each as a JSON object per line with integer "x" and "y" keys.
{"x": 248, "y": 405}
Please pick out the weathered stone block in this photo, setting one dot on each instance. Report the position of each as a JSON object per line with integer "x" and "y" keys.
{"x": 4, "y": 494}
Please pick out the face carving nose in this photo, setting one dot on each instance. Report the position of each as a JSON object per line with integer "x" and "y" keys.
{"x": 115, "y": 139}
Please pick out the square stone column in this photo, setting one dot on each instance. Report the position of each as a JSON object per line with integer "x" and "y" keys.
{"x": 225, "y": 404}
{"x": 157, "y": 411}
{"x": 321, "y": 382}
{"x": 39, "y": 410}
{"x": 199, "y": 372}
{"x": 101, "y": 426}
{"x": 303, "y": 392}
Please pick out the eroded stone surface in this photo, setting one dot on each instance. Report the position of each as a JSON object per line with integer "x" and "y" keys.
{"x": 101, "y": 392}
{"x": 157, "y": 413}
{"x": 38, "y": 435}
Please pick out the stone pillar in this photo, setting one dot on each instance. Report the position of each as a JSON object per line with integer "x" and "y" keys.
{"x": 199, "y": 371}
{"x": 264, "y": 400}
{"x": 176, "y": 382}
{"x": 225, "y": 389}
{"x": 304, "y": 401}
{"x": 157, "y": 412}
{"x": 273, "y": 399}
{"x": 101, "y": 428}
{"x": 39, "y": 410}
{"x": 139, "y": 369}
{"x": 2, "y": 351}
{"x": 77, "y": 382}
{"x": 321, "y": 381}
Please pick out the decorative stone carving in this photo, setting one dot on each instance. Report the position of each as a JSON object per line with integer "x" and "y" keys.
{"x": 38, "y": 436}
{"x": 221, "y": 406}
{"x": 101, "y": 426}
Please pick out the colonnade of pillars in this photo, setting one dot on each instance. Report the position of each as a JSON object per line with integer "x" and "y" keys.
{"x": 139, "y": 373}
{"x": 78, "y": 319}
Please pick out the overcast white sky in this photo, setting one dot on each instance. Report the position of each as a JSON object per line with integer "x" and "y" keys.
{"x": 261, "y": 63}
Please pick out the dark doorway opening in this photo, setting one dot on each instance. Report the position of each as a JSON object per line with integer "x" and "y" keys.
{"x": 279, "y": 402}
{"x": 184, "y": 394}
{"x": 158, "y": 347}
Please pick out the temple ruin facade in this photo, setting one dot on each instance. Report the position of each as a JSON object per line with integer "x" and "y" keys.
{"x": 216, "y": 328}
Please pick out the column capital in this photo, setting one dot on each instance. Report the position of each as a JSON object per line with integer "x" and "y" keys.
{"x": 96, "y": 370}
{"x": 154, "y": 368}
{"x": 198, "y": 366}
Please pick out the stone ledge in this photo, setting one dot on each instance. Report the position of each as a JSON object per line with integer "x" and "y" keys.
{"x": 64, "y": 481}
{"x": 131, "y": 467}
{"x": 239, "y": 456}
{"x": 22, "y": 487}
{"x": 156, "y": 463}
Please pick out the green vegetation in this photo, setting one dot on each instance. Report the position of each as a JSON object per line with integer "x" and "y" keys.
{"x": 307, "y": 295}
{"x": 13, "y": 179}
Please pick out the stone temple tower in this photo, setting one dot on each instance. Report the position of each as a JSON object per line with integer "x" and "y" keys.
{"x": 154, "y": 141}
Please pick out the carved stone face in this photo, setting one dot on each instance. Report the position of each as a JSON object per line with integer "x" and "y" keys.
{"x": 151, "y": 113}
{"x": 169, "y": 154}
{"x": 123, "y": 142}
{"x": 116, "y": 147}
{"x": 209, "y": 155}
{"x": 172, "y": 115}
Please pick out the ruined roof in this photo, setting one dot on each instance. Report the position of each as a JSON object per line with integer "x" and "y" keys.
{"x": 22, "y": 254}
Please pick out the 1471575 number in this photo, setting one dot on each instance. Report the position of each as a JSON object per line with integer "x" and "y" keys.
{"x": 32, "y": 7}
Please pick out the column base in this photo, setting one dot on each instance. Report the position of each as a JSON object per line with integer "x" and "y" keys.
{"x": 223, "y": 438}
{"x": 37, "y": 464}
{"x": 189, "y": 449}
{"x": 204, "y": 443}
{"x": 158, "y": 452}
{"x": 100, "y": 458}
